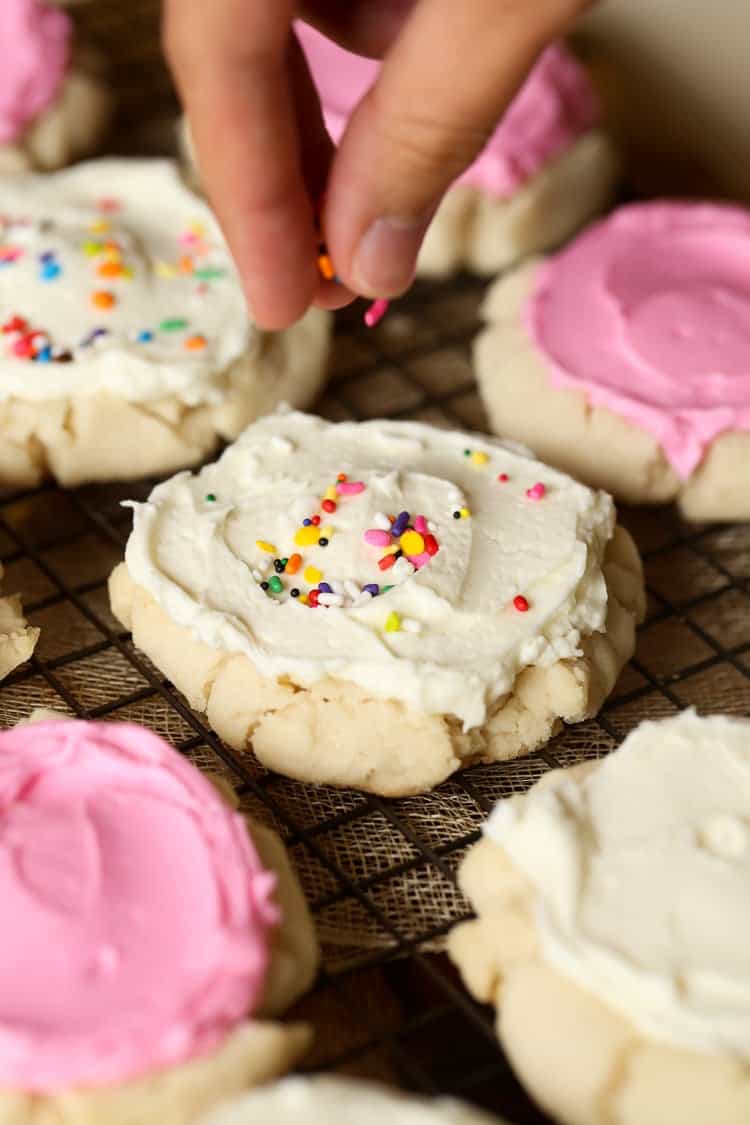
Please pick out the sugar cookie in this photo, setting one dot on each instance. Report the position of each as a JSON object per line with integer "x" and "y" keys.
{"x": 378, "y": 604}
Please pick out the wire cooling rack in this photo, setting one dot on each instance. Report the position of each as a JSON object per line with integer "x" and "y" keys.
{"x": 379, "y": 874}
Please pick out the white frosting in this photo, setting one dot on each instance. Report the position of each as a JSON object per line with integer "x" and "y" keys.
{"x": 461, "y": 642}
{"x": 642, "y": 875}
{"x": 176, "y": 268}
{"x": 335, "y": 1101}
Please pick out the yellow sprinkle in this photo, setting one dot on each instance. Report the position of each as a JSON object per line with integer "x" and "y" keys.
{"x": 392, "y": 623}
{"x": 330, "y": 493}
{"x": 91, "y": 249}
{"x": 465, "y": 513}
{"x": 480, "y": 458}
{"x": 326, "y": 531}
{"x": 313, "y": 575}
{"x": 307, "y": 536}
{"x": 392, "y": 550}
{"x": 303, "y": 599}
{"x": 262, "y": 545}
{"x": 99, "y": 226}
{"x": 411, "y": 543}
{"x": 164, "y": 269}
{"x": 197, "y": 227}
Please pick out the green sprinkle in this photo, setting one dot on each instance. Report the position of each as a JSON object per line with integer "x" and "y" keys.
{"x": 174, "y": 324}
{"x": 386, "y": 589}
{"x": 209, "y": 273}
{"x": 275, "y": 584}
{"x": 210, "y": 497}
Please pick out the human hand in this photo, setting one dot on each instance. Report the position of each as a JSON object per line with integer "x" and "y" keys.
{"x": 449, "y": 71}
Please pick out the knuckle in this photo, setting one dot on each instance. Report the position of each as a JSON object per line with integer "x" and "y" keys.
{"x": 428, "y": 144}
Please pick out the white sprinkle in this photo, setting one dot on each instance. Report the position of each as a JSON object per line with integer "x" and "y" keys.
{"x": 363, "y": 599}
{"x": 336, "y": 586}
{"x": 431, "y": 526}
{"x": 330, "y": 600}
{"x": 264, "y": 566}
{"x": 350, "y": 588}
{"x": 401, "y": 569}
{"x": 410, "y": 625}
{"x": 381, "y": 522}
{"x": 284, "y": 445}
{"x": 257, "y": 575}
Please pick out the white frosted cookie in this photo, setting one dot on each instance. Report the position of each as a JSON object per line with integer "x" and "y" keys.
{"x": 125, "y": 343}
{"x": 378, "y": 604}
{"x": 547, "y": 168}
{"x": 17, "y": 638}
{"x": 613, "y": 911}
{"x": 54, "y": 104}
{"x": 149, "y": 935}
{"x": 340, "y": 1101}
{"x": 624, "y": 358}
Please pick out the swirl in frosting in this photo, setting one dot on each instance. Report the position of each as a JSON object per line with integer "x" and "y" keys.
{"x": 556, "y": 105}
{"x": 641, "y": 869}
{"x": 36, "y": 46}
{"x": 647, "y": 313}
{"x": 114, "y": 277}
{"x": 421, "y": 565}
{"x": 135, "y": 911}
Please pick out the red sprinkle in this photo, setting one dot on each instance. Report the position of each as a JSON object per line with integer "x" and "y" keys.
{"x": 520, "y": 603}
{"x": 386, "y": 562}
{"x": 315, "y": 521}
{"x": 503, "y": 477}
{"x": 431, "y": 545}
{"x": 312, "y": 598}
{"x": 328, "y": 506}
{"x": 15, "y": 324}
{"x": 24, "y": 348}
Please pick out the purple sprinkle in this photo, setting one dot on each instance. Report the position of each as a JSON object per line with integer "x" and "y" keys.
{"x": 324, "y": 588}
{"x": 306, "y": 523}
{"x": 372, "y": 588}
{"x": 47, "y": 256}
{"x": 400, "y": 524}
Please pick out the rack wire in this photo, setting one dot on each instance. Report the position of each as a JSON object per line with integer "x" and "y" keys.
{"x": 386, "y": 1005}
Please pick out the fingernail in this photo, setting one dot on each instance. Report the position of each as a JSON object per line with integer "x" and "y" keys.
{"x": 386, "y": 258}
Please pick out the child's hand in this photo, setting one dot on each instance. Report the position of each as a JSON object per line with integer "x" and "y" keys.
{"x": 450, "y": 69}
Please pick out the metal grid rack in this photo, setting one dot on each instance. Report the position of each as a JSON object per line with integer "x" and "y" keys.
{"x": 392, "y": 1008}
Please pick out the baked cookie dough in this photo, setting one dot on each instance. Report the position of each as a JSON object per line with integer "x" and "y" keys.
{"x": 625, "y": 358}
{"x": 125, "y": 343}
{"x": 378, "y": 604}
{"x": 150, "y": 936}
{"x": 613, "y": 910}
{"x": 17, "y": 638}
{"x": 54, "y": 104}
{"x": 340, "y": 1101}
{"x": 548, "y": 167}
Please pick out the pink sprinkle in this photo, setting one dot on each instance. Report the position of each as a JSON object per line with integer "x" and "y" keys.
{"x": 188, "y": 238}
{"x": 10, "y": 253}
{"x": 420, "y": 560}
{"x": 420, "y": 525}
{"x": 538, "y": 492}
{"x": 350, "y": 487}
{"x": 376, "y": 312}
{"x": 109, "y": 204}
{"x": 378, "y": 538}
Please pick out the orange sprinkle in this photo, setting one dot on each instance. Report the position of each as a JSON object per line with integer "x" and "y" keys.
{"x": 195, "y": 343}
{"x": 295, "y": 562}
{"x": 103, "y": 299}
{"x": 186, "y": 264}
{"x": 110, "y": 269}
{"x": 325, "y": 265}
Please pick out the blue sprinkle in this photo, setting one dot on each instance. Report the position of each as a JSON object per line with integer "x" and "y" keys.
{"x": 306, "y": 523}
{"x": 324, "y": 588}
{"x": 144, "y": 337}
{"x": 44, "y": 355}
{"x": 372, "y": 588}
{"x": 47, "y": 256}
{"x": 400, "y": 524}
{"x": 49, "y": 271}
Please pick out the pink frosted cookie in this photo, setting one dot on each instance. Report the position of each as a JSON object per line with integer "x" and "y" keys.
{"x": 53, "y": 105}
{"x": 547, "y": 168}
{"x": 625, "y": 358}
{"x": 144, "y": 927}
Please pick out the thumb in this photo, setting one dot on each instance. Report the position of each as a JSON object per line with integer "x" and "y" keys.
{"x": 440, "y": 92}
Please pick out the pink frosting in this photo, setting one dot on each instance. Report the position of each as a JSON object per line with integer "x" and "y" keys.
{"x": 648, "y": 313}
{"x": 36, "y": 42}
{"x": 134, "y": 911}
{"x": 555, "y": 106}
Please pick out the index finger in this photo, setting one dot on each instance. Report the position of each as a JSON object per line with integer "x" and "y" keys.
{"x": 230, "y": 61}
